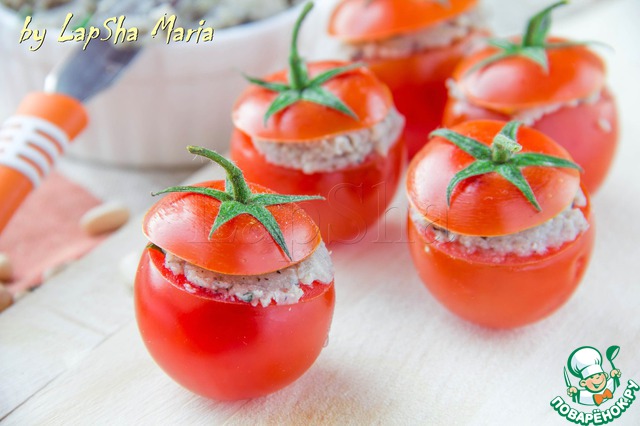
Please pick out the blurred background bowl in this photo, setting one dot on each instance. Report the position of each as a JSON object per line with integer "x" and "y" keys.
{"x": 171, "y": 96}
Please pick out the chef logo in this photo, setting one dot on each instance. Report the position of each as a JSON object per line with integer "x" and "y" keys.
{"x": 594, "y": 385}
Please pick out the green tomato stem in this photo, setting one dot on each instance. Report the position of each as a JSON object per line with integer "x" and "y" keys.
{"x": 299, "y": 86}
{"x": 503, "y": 149}
{"x": 240, "y": 189}
{"x": 297, "y": 76}
{"x": 502, "y": 157}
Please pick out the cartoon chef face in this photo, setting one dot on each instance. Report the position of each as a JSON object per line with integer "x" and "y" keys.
{"x": 595, "y": 383}
{"x": 586, "y": 364}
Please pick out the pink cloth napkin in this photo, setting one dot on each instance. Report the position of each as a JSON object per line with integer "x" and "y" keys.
{"x": 45, "y": 231}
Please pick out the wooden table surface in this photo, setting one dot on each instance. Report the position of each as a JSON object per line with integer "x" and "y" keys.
{"x": 70, "y": 352}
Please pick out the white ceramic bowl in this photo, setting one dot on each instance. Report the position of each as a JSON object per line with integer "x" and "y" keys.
{"x": 171, "y": 96}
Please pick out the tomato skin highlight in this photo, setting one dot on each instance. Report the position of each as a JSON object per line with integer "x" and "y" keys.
{"x": 513, "y": 293}
{"x": 356, "y": 197}
{"x": 227, "y": 350}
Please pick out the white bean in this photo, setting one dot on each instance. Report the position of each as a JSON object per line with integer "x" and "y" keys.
{"x": 104, "y": 218}
{"x": 6, "y": 269}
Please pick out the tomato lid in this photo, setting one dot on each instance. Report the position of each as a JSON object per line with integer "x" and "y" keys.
{"x": 488, "y": 204}
{"x": 368, "y": 20}
{"x": 359, "y": 89}
{"x": 516, "y": 83}
{"x": 180, "y": 224}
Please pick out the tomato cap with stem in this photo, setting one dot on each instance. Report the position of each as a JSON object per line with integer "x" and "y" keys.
{"x": 487, "y": 204}
{"x": 532, "y": 46}
{"x": 300, "y": 86}
{"x": 501, "y": 157}
{"x": 237, "y": 198}
{"x": 531, "y": 70}
{"x": 232, "y": 227}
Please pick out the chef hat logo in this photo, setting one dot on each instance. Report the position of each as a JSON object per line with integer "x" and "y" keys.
{"x": 585, "y": 362}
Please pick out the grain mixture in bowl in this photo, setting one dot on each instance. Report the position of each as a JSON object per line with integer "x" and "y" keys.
{"x": 217, "y": 13}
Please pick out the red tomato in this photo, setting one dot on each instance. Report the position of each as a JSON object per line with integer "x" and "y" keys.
{"x": 502, "y": 293}
{"x": 222, "y": 349}
{"x": 417, "y": 81}
{"x": 512, "y": 293}
{"x": 356, "y": 196}
{"x": 505, "y": 88}
{"x": 219, "y": 347}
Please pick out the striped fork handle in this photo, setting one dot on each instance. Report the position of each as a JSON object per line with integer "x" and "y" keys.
{"x": 31, "y": 142}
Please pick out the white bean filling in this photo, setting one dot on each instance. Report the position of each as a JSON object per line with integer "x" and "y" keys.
{"x": 565, "y": 227}
{"x": 529, "y": 116}
{"x": 281, "y": 286}
{"x": 436, "y": 36}
{"x": 336, "y": 152}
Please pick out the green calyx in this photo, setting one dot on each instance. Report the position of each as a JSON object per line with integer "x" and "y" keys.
{"x": 503, "y": 157}
{"x": 300, "y": 86}
{"x": 534, "y": 43}
{"x": 238, "y": 199}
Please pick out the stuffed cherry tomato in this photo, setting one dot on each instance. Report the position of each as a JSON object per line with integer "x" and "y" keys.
{"x": 413, "y": 46}
{"x": 234, "y": 297}
{"x": 550, "y": 84}
{"x": 500, "y": 237}
{"x": 325, "y": 128}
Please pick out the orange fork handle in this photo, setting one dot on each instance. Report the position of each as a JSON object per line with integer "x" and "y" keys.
{"x": 64, "y": 112}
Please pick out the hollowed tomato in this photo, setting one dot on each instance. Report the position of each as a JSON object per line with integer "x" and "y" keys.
{"x": 514, "y": 292}
{"x": 223, "y": 349}
{"x": 498, "y": 289}
{"x": 355, "y": 197}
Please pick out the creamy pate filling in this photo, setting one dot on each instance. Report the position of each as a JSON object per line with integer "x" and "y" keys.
{"x": 563, "y": 228}
{"x": 282, "y": 287}
{"x": 439, "y": 35}
{"x": 529, "y": 116}
{"x": 336, "y": 152}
